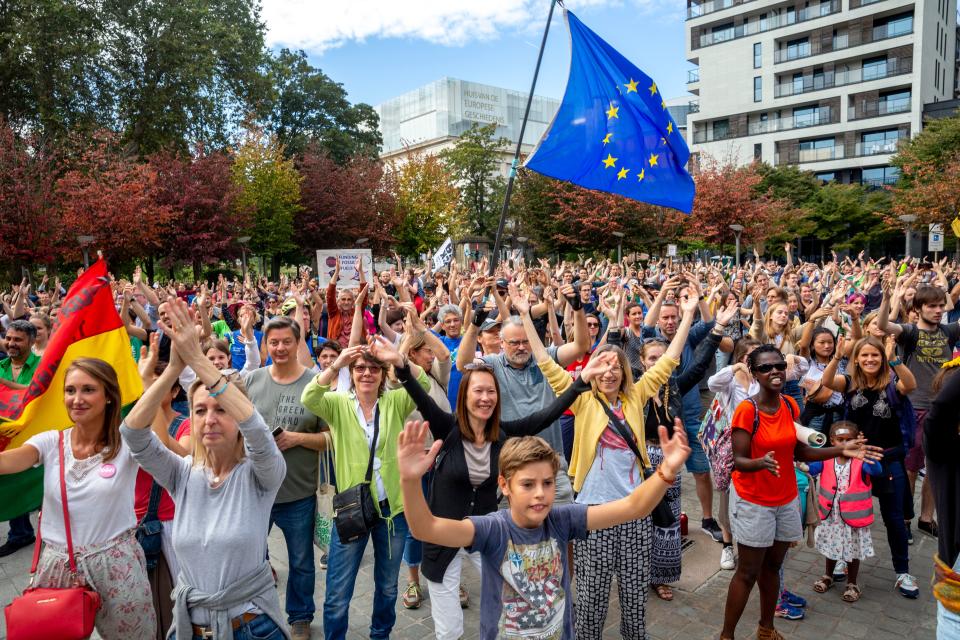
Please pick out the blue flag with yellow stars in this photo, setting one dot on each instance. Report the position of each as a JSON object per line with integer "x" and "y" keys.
{"x": 613, "y": 132}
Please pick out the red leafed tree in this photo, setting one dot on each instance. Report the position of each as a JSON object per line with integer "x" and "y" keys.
{"x": 113, "y": 198}
{"x": 200, "y": 193}
{"x": 727, "y": 194}
{"x": 341, "y": 204}
{"x": 28, "y": 220}
{"x": 930, "y": 192}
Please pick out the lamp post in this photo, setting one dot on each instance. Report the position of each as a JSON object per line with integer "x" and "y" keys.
{"x": 619, "y": 236}
{"x": 523, "y": 246}
{"x": 737, "y": 230}
{"x": 85, "y": 242}
{"x": 908, "y": 219}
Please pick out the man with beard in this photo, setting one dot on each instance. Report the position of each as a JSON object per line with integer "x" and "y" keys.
{"x": 16, "y": 371}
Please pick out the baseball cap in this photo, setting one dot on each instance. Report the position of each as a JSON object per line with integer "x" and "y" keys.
{"x": 489, "y": 323}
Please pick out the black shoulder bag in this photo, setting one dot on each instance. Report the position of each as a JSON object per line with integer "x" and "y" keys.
{"x": 662, "y": 515}
{"x": 354, "y": 511}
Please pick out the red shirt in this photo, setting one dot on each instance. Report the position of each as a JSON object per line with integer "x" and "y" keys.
{"x": 166, "y": 508}
{"x": 776, "y": 433}
{"x": 575, "y": 367}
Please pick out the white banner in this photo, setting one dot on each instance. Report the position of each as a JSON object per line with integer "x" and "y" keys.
{"x": 443, "y": 256}
{"x": 672, "y": 250}
{"x": 936, "y": 237}
{"x": 327, "y": 264}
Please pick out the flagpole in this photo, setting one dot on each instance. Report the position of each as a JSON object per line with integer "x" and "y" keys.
{"x": 495, "y": 258}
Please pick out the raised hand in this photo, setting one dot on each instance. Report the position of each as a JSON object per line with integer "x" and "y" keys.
{"x": 181, "y": 327}
{"x": 520, "y": 301}
{"x": 726, "y": 314}
{"x": 413, "y": 460}
{"x": 675, "y": 449}
{"x": 381, "y": 349}
{"x": 148, "y": 359}
{"x": 599, "y": 365}
{"x": 689, "y": 303}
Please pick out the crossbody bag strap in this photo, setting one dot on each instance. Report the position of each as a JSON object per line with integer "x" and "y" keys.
{"x": 373, "y": 443}
{"x": 36, "y": 550}
{"x": 66, "y": 511}
{"x": 623, "y": 431}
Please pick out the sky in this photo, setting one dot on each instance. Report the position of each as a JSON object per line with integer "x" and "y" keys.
{"x": 379, "y": 49}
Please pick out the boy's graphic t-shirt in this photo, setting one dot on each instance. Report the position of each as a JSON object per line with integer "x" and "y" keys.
{"x": 526, "y": 580}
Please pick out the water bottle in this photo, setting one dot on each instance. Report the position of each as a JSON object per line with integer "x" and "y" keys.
{"x": 683, "y": 523}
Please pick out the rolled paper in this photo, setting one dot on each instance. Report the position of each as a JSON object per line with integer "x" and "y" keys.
{"x": 809, "y": 436}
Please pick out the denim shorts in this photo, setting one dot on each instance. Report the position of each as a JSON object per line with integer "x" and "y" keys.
{"x": 697, "y": 462}
{"x": 755, "y": 525}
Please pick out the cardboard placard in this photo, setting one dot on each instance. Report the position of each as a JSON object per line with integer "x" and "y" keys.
{"x": 327, "y": 264}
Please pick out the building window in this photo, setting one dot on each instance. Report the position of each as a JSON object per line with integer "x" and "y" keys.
{"x": 893, "y": 26}
{"x": 757, "y": 55}
{"x": 797, "y": 83}
{"x": 799, "y": 48}
{"x": 826, "y": 176}
{"x": 820, "y": 149}
{"x": 879, "y": 176}
{"x": 721, "y": 129}
{"x": 874, "y": 142}
{"x": 758, "y": 151}
{"x": 874, "y": 68}
{"x": 894, "y": 102}
{"x": 805, "y": 117}
{"x": 757, "y": 89}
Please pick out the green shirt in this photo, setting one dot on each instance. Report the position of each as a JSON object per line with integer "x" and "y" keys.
{"x": 222, "y": 329}
{"x": 26, "y": 373}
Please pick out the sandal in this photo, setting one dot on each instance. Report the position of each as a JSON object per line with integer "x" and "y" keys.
{"x": 664, "y": 592}
{"x": 851, "y": 593}
{"x": 823, "y": 584}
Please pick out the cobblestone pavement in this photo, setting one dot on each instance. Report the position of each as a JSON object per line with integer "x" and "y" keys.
{"x": 696, "y": 612}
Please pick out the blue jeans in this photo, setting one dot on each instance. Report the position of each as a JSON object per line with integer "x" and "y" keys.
{"x": 20, "y": 529}
{"x": 260, "y": 628}
{"x": 891, "y": 510}
{"x": 296, "y": 520}
{"x": 343, "y": 563}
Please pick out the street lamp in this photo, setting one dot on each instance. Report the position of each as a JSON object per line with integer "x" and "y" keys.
{"x": 619, "y": 236}
{"x": 908, "y": 219}
{"x": 737, "y": 230}
{"x": 86, "y": 241}
{"x": 243, "y": 240}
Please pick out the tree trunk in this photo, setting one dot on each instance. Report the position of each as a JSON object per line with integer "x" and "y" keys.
{"x": 150, "y": 269}
{"x": 275, "y": 268}
{"x": 197, "y": 268}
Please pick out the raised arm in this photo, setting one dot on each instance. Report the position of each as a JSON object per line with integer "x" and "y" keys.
{"x": 572, "y": 351}
{"x": 688, "y": 306}
{"x": 441, "y": 423}
{"x": 883, "y": 315}
{"x": 830, "y": 378}
{"x": 522, "y": 306}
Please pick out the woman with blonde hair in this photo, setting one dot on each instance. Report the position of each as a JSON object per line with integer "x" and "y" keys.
{"x": 776, "y": 327}
{"x": 99, "y": 474}
{"x": 223, "y": 491}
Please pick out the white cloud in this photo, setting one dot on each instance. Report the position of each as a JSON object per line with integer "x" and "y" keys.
{"x": 318, "y": 25}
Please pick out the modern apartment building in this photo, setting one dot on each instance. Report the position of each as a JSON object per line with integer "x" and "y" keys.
{"x": 828, "y": 85}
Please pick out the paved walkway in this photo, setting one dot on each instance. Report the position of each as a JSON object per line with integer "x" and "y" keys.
{"x": 696, "y": 612}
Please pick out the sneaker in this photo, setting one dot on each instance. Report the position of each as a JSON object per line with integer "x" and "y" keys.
{"x": 909, "y": 534}
{"x": 907, "y": 586}
{"x": 413, "y": 596}
{"x": 784, "y": 610}
{"x": 10, "y": 547}
{"x": 712, "y": 529}
{"x": 792, "y": 599}
{"x": 464, "y": 598}
{"x": 300, "y": 631}
{"x": 727, "y": 560}
{"x": 929, "y": 528}
{"x": 840, "y": 571}
{"x": 323, "y": 561}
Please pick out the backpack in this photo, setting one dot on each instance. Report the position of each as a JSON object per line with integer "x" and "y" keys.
{"x": 721, "y": 457}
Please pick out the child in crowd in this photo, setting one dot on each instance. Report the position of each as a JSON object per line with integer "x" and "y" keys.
{"x": 526, "y": 578}
{"x": 846, "y": 511}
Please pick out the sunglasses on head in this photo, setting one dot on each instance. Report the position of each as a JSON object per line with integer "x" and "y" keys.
{"x": 770, "y": 366}
{"x": 478, "y": 366}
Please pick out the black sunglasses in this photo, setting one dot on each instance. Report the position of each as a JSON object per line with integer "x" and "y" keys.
{"x": 770, "y": 366}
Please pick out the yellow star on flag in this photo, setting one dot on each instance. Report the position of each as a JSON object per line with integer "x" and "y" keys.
{"x": 653, "y": 88}
{"x": 663, "y": 140}
{"x": 622, "y": 173}
{"x": 640, "y": 175}
{"x": 663, "y": 105}
{"x": 669, "y": 127}
{"x": 612, "y": 111}
{"x": 607, "y": 137}
{"x": 653, "y": 159}
{"x": 610, "y": 161}
{"x": 631, "y": 86}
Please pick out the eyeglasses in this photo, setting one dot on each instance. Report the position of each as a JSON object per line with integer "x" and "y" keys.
{"x": 517, "y": 343}
{"x": 770, "y": 366}
{"x": 367, "y": 368}
{"x": 478, "y": 366}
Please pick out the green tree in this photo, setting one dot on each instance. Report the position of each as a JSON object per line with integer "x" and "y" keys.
{"x": 428, "y": 204}
{"x": 795, "y": 191}
{"x": 935, "y": 146}
{"x": 306, "y": 107}
{"x": 270, "y": 191}
{"x": 847, "y": 216}
{"x": 473, "y": 162}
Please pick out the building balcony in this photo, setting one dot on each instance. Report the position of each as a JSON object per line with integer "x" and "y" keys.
{"x": 694, "y": 106}
{"x": 879, "y": 183}
{"x": 693, "y": 75}
{"x": 878, "y": 108}
{"x": 830, "y": 79}
{"x": 769, "y": 23}
{"x": 838, "y": 151}
{"x": 856, "y": 4}
{"x": 842, "y": 41}
{"x": 697, "y": 8}
{"x": 878, "y": 148}
{"x": 713, "y": 135}
{"x": 823, "y": 115}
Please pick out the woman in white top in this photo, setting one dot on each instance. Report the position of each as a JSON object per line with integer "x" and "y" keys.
{"x": 100, "y": 475}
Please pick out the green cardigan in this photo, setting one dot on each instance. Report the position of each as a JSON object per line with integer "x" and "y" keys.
{"x": 351, "y": 451}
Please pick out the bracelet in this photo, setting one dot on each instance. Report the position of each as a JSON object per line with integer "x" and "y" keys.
{"x": 664, "y": 477}
{"x": 211, "y": 387}
{"x": 895, "y": 363}
{"x": 226, "y": 383}
{"x": 720, "y": 325}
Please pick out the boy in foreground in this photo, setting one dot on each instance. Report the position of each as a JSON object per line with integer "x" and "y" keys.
{"x": 526, "y": 582}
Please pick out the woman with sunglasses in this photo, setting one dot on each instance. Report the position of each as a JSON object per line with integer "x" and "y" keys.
{"x": 356, "y": 419}
{"x": 874, "y": 399}
{"x": 764, "y": 507}
{"x": 604, "y": 468}
{"x": 465, "y": 475}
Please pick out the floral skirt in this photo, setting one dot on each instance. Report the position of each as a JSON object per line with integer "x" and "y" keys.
{"x": 115, "y": 569}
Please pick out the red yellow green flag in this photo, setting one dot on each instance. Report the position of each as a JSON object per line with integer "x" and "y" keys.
{"x": 87, "y": 326}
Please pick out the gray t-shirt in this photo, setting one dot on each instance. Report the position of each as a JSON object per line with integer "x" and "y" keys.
{"x": 280, "y": 406}
{"x": 525, "y": 589}
{"x": 925, "y": 352}
{"x": 524, "y": 391}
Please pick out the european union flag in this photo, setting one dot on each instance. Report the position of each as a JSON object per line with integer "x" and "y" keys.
{"x": 613, "y": 131}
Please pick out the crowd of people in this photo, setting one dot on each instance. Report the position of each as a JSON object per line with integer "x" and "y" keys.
{"x": 532, "y": 424}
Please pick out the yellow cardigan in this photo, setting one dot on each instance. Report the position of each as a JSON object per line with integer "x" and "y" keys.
{"x": 591, "y": 419}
